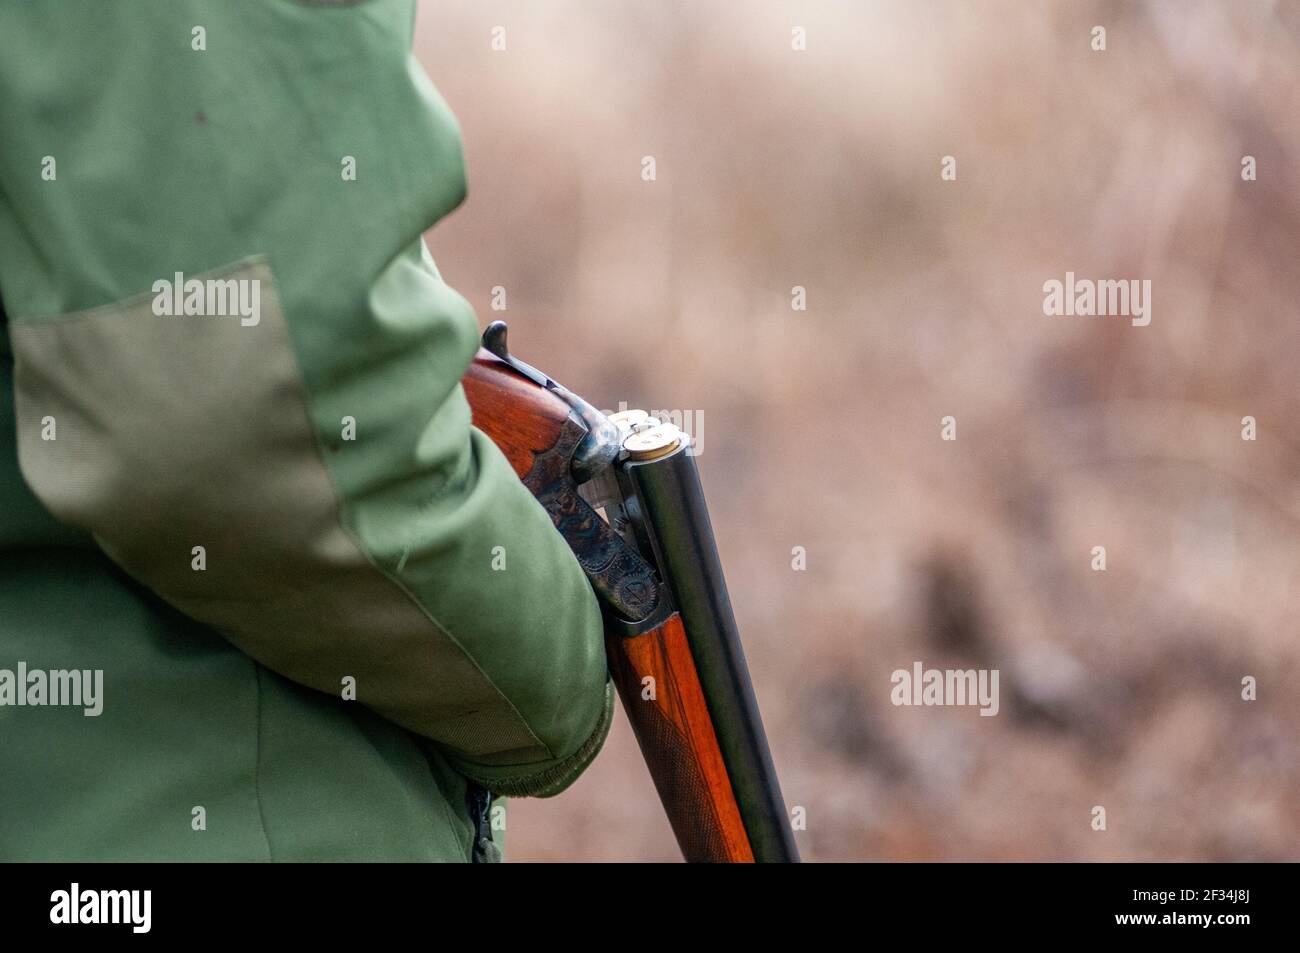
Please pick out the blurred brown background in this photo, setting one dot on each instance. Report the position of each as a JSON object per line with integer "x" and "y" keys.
{"x": 820, "y": 168}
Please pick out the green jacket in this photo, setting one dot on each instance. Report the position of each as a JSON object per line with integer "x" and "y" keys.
{"x": 252, "y": 498}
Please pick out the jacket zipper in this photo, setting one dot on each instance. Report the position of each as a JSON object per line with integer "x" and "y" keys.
{"x": 479, "y": 801}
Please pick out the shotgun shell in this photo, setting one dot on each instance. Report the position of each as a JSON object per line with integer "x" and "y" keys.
{"x": 652, "y": 442}
{"x": 629, "y": 421}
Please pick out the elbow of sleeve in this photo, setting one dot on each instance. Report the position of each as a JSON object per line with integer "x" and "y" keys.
{"x": 545, "y": 654}
{"x": 547, "y": 778}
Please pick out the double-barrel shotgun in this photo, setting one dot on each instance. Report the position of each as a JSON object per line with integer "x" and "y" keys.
{"x": 625, "y": 493}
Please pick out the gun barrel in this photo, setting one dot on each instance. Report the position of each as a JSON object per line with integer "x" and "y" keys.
{"x": 675, "y": 517}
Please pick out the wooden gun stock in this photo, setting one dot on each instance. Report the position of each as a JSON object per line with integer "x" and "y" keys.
{"x": 678, "y": 729}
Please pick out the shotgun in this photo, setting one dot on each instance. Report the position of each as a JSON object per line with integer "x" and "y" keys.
{"x": 625, "y": 493}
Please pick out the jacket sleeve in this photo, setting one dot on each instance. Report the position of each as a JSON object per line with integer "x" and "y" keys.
{"x": 252, "y": 367}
